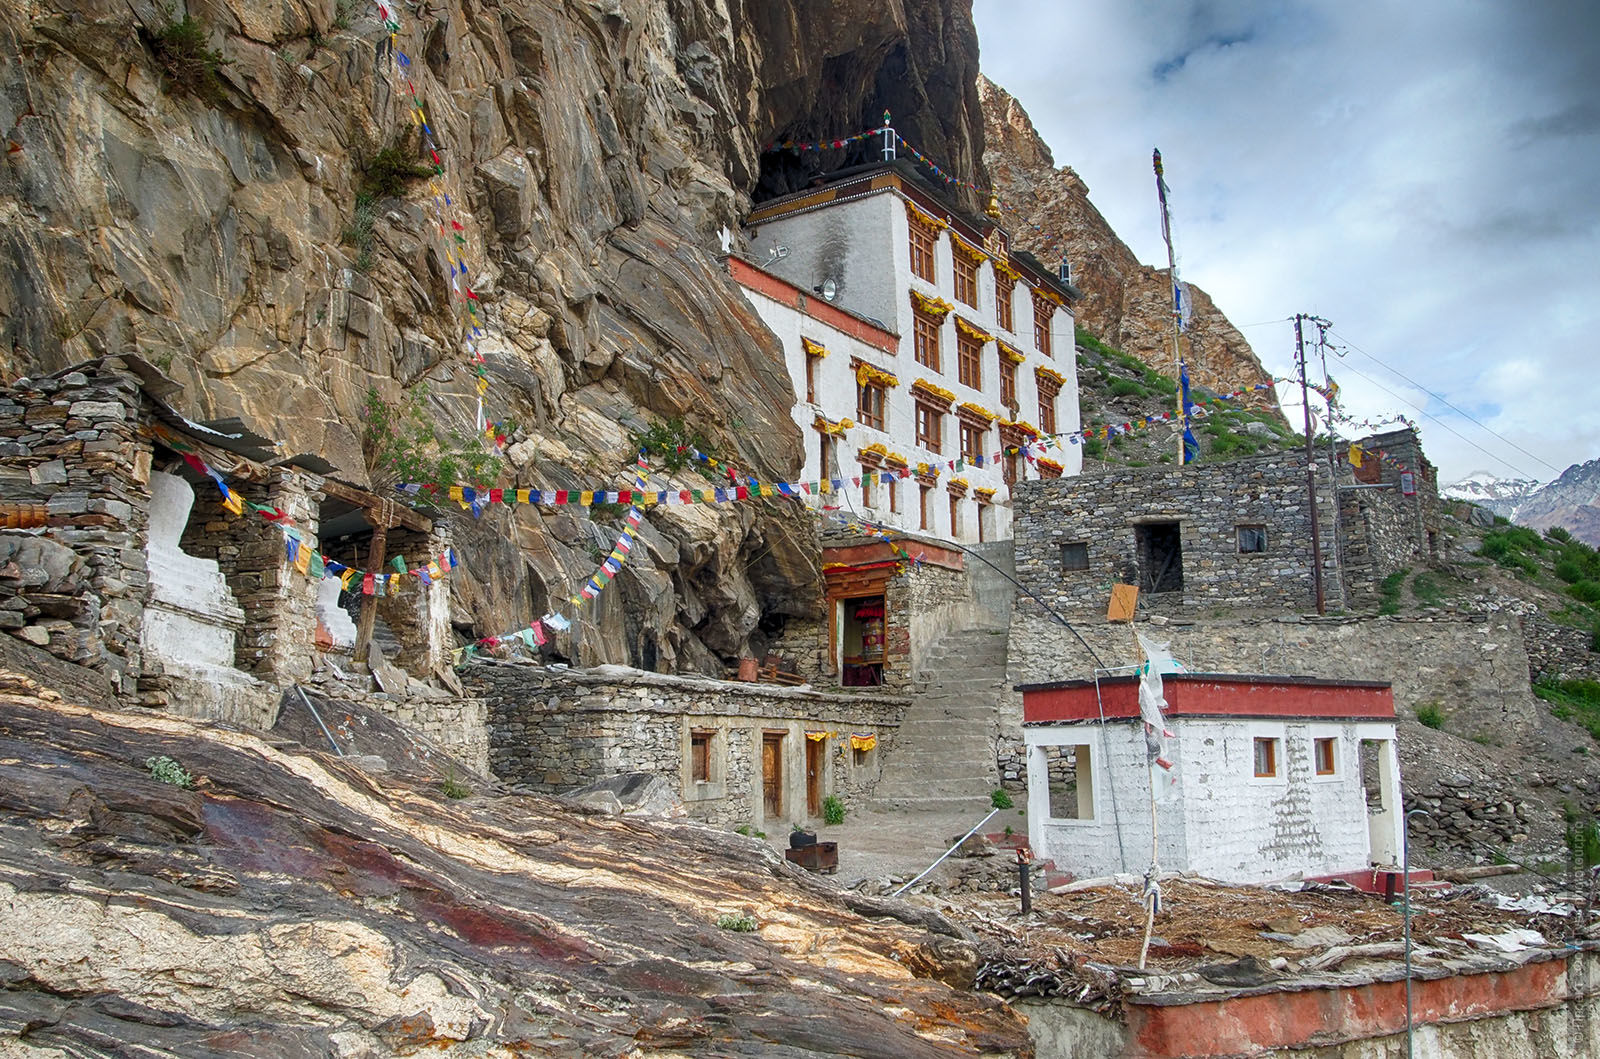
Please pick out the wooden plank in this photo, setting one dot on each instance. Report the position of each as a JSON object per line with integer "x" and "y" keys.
{"x": 371, "y": 502}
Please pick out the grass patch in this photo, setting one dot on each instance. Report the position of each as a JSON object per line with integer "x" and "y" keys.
{"x": 359, "y": 233}
{"x": 454, "y": 788}
{"x": 1389, "y": 591}
{"x": 1427, "y": 589}
{"x": 1127, "y": 388}
{"x": 1573, "y": 700}
{"x": 1514, "y": 548}
{"x": 1430, "y": 715}
{"x": 1093, "y": 447}
{"x": 1000, "y": 799}
{"x": 738, "y": 924}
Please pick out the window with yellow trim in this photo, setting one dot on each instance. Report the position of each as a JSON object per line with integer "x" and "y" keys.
{"x": 969, "y": 359}
{"x": 930, "y": 427}
{"x": 922, "y": 243}
{"x": 1004, "y": 288}
{"x": 1008, "y": 383}
{"x": 925, "y": 338}
{"x": 972, "y": 437}
{"x": 870, "y": 405}
{"x": 966, "y": 270}
{"x": 1043, "y": 312}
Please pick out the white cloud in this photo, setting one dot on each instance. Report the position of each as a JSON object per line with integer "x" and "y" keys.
{"x": 1418, "y": 173}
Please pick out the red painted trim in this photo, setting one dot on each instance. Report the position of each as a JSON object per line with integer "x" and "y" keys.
{"x": 787, "y": 294}
{"x": 1373, "y": 881}
{"x": 1249, "y": 1025}
{"x": 876, "y": 552}
{"x": 1212, "y": 695}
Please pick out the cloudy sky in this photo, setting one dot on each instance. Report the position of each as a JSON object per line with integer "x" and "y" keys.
{"x": 1421, "y": 173}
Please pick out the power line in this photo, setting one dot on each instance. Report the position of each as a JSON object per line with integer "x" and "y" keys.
{"x": 1427, "y": 415}
{"x": 1459, "y": 411}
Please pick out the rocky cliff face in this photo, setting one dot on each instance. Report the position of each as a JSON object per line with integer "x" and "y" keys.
{"x": 198, "y": 199}
{"x": 1126, "y": 304}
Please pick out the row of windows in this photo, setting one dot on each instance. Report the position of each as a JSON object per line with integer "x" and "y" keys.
{"x": 1324, "y": 753}
{"x": 923, "y": 240}
{"x": 1252, "y": 541}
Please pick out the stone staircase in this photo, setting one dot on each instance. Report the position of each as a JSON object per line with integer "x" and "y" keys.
{"x": 943, "y": 757}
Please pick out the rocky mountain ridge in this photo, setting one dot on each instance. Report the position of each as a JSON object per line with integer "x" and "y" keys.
{"x": 1499, "y": 495}
{"x": 1127, "y": 304}
{"x": 1571, "y": 501}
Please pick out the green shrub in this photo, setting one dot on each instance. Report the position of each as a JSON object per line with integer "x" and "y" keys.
{"x": 672, "y": 441}
{"x": 1509, "y": 548}
{"x": 166, "y": 770}
{"x": 1559, "y": 533}
{"x": 1594, "y": 637}
{"x": 1430, "y": 715}
{"x": 359, "y": 233}
{"x": 454, "y": 788}
{"x": 1573, "y": 700}
{"x": 388, "y": 173}
{"x": 409, "y": 443}
{"x": 1093, "y": 447}
{"x": 739, "y": 924}
{"x": 1000, "y": 799}
{"x": 1569, "y": 571}
{"x": 191, "y": 66}
{"x": 832, "y": 811}
{"x": 1126, "y": 388}
{"x": 1585, "y": 591}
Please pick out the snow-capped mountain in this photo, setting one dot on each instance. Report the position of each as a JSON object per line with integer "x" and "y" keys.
{"x": 1500, "y": 495}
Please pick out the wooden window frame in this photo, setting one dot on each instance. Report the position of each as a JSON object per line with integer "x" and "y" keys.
{"x": 1008, "y": 383}
{"x": 924, "y": 241}
{"x": 1330, "y": 745}
{"x": 1047, "y": 412}
{"x": 811, "y": 378}
{"x": 972, "y": 441}
{"x": 966, "y": 279}
{"x": 1005, "y": 289}
{"x": 925, "y": 328}
{"x": 931, "y": 438}
{"x": 955, "y": 515}
{"x": 1043, "y": 315}
{"x": 1270, "y": 745}
{"x": 925, "y": 517}
{"x": 969, "y": 359}
{"x": 866, "y": 415}
{"x": 701, "y": 741}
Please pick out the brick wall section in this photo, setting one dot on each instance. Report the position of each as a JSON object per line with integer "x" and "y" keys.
{"x": 1558, "y": 652}
{"x": 553, "y": 731}
{"x": 72, "y": 442}
{"x": 1209, "y": 501}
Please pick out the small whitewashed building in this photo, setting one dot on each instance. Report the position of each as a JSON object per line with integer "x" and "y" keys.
{"x": 1270, "y": 777}
{"x": 916, "y": 336}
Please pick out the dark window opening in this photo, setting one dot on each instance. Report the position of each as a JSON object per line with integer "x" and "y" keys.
{"x": 700, "y": 755}
{"x": 1252, "y": 539}
{"x": 1160, "y": 550}
{"x": 1075, "y": 555}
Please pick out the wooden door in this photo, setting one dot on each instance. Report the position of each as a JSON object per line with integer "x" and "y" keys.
{"x": 772, "y": 774}
{"x": 816, "y": 759}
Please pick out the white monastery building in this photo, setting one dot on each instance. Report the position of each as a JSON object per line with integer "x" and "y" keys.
{"x": 1264, "y": 777}
{"x": 917, "y": 339}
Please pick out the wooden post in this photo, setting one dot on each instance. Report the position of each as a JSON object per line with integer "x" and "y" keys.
{"x": 380, "y": 518}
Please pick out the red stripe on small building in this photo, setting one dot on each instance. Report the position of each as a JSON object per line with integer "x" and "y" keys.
{"x": 1212, "y": 695}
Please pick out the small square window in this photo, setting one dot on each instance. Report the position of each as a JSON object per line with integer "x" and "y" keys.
{"x": 1325, "y": 757}
{"x": 858, "y": 758}
{"x": 1266, "y": 757}
{"x": 1075, "y": 556}
{"x": 1252, "y": 539}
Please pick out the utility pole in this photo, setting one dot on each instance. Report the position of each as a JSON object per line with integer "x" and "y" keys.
{"x": 1311, "y": 474}
{"x": 1177, "y": 307}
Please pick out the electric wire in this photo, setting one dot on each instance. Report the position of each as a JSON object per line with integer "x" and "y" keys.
{"x": 1464, "y": 414}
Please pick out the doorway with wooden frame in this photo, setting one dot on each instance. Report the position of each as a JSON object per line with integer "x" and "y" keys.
{"x": 816, "y": 766}
{"x": 772, "y": 775}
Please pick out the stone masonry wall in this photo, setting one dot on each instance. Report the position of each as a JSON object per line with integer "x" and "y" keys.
{"x": 551, "y": 731}
{"x": 1209, "y": 501}
{"x": 71, "y": 442}
{"x": 1559, "y": 652}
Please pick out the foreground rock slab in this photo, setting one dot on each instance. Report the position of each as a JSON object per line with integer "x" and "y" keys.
{"x": 290, "y": 904}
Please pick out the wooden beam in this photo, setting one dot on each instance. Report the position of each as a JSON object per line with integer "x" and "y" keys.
{"x": 371, "y": 502}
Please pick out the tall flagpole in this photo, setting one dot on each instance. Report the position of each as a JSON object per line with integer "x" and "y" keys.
{"x": 1177, "y": 308}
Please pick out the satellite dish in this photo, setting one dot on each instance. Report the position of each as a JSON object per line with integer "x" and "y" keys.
{"x": 829, "y": 289}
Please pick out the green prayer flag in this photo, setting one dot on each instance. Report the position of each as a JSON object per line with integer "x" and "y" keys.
{"x": 399, "y": 563}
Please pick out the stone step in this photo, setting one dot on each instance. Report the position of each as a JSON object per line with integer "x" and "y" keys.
{"x": 978, "y": 804}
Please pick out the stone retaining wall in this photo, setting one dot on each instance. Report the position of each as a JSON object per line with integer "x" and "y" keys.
{"x": 1559, "y": 652}
{"x": 553, "y": 730}
{"x": 71, "y": 442}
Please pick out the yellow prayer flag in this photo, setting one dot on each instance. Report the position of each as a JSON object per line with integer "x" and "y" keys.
{"x": 302, "y": 560}
{"x": 1355, "y": 455}
{"x": 522, "y": 496}
{"x": 233, "y": 503}
{"x": 455, "y": 492}
{"x": 586, "y": 498}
